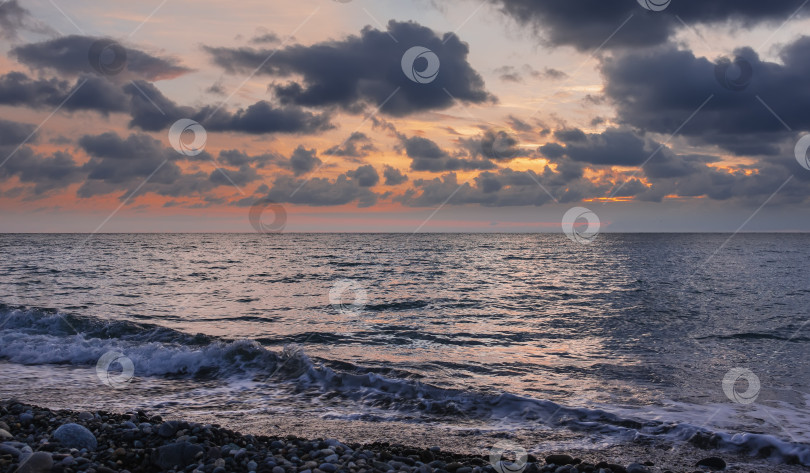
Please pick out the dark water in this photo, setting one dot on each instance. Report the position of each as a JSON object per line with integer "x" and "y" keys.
{"x": 630, "y": 336}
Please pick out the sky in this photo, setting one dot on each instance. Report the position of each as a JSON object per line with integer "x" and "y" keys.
{"x": 404, "y": 115}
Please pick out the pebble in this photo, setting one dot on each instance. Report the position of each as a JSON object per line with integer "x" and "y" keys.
{"x": 560, "y": 459}
{"x": 39, "y": 462}
{"x": 85, "y": 416}
{"x": 327, "y": 467}
{"x": 75, "y": 436}
{"x": 714, "y": 463}
{"x": 4, "y": 434}
{"x": 278, "y": 469}
{"x": 637, "y": 468}
{"x": 177, "y": 454}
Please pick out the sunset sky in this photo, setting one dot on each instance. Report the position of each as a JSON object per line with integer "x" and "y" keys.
{"x": 683, "y": 119}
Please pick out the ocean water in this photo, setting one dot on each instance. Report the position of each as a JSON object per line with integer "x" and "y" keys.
{"x": 633, "y": 338}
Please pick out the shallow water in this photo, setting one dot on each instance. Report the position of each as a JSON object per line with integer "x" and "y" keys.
{"x": 595, "y": 345}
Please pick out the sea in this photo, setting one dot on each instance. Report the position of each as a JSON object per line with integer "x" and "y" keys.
{"x": 660, "y": 339}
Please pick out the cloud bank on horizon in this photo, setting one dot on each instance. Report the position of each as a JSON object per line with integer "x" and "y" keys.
{"x": 523, "y": 104}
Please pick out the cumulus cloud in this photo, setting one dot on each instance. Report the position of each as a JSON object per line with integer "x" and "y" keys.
{"x": 69, "y": 55}
{"x": 587, "y": 24}
{"x": 659, "y": 90}
{"x": 365, "y": 70}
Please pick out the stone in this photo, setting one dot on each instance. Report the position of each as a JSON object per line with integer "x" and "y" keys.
{"x": 278, "y": 469}
{"x": 5, "y": 435}
{"x": 714, "y": 463}
{"x": 560, "y": 459}
{"x": 39, "y": 462}
{"x": 327, "y": 467}
{"x": 176, "y": 454}
{"x": 637, "y": 468}
{"x": 168, "y": 429}
{"x": 75, "y": 436}
{"x": 26, "y": 418}
{"x": 85, "y": 416}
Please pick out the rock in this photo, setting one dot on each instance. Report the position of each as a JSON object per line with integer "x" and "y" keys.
{"x": 252, "y": 465}
{"x": 9, "y": 450}
{"x": 176, "y": 454}
{"x": 426, "y": 456}
{"x": 327, "y": 467}
{"x": 637, "y": 468}
{"x": 75, "y": 436}
{"x": 714, "y": 463}
{"x": 168, "y": 429}
{"x": 452, "y": 467}
{"x": 560, "y": 459}
{"x": 464, "y": 469}
{"x": 85, "y": 416}
{"x": 5, "y": 435}
{"x": 278, "y": 469}
{"x": 26, "y": 418}
{"x": 39, "y": 462}
{"x": 333, "y": 458}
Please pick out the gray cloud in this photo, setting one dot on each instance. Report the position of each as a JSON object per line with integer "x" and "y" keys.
{"x": 365, "y": 70}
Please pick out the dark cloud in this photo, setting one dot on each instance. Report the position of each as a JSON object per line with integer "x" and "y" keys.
{"x": 138, "y": 162}
{"x": 14, "y": 133}
{"x": 589, "y": 24}
{"x": 358, "y": 145}
{"x": 304, "y": 160}
{"x": 366, "y": 176}
{"x": 14, "y": 18}
{"x": 152, "y": 111}
{"x": 365, "y": 70}
{"x": 69, "y": 55}
{"x": 234, "y": 157}
{"x": 613, "y": 147}
{"x": 46, "y": 173}
{"x": 241, "y": 177}
{"x": 320, "y": 192}
{"x": 87, "y": 93}
{"x": 393, "y": 176}
{"x": 659, "y": 90}
{"x": 495, "y": 145}
{"x": 426, "y": 155}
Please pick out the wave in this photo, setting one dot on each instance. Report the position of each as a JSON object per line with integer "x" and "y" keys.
{"x": 37, "y": 336}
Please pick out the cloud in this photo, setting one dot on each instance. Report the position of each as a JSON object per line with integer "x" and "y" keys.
{"x": 14, "y": 133}
{"x": 366, "y": 176}
{"x": 152, "y": 111}
{"x": 365, "y": 70}
{"x": 14, "y": 18}
{"x": 612, "y": 147}
{"x": 659, "y": 90}
{"x": 393, "y": 176}
{"x": 358, "y": 145}
{"x": 304, "y": 160}
{"x": 589, "y": 24}
{"x": 88, "y": 93}
{"x": 515, "y": 74}
{"x": 426, "y": 155}
{"x": 46, "y": 173}
{"x": 321, "y": 192}
{"x": 69, "y": 55}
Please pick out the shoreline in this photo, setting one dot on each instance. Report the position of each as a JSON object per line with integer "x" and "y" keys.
{"x": 31, "y": 441}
